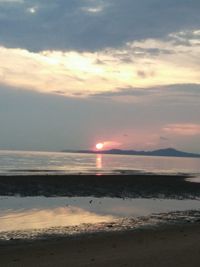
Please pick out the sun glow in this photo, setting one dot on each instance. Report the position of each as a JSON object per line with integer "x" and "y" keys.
{"x": 99, "y": 146}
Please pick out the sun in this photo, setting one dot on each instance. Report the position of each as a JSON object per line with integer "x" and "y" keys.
{"x": 99, "y": 146}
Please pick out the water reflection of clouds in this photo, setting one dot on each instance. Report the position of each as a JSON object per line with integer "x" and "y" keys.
{"x": 194, "y": 179}
{"x": 47, "y": 218}
{"x": 27, "y": 213}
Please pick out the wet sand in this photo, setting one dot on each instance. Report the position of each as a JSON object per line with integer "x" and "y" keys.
{"x": 177, "y": 245}
{"x": 169, "y": 245}
{"x": 133, "y": 185}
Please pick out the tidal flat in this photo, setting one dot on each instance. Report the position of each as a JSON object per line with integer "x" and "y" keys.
{"x": 95, "y": 220}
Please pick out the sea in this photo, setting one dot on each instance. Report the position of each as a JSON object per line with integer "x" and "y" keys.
{"x": 34, "y": 217}
{"x": 34, "y": 163}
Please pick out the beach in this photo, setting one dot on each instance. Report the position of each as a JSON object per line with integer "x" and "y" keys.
{"x": 176, "y": 245}
{"x": 173, "y": 241}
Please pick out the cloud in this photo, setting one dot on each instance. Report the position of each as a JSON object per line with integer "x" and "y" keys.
{"x": 176, "y": 95}
{"x": 111, "y": 144}
{"x": 91, "y": 25}
{"x": 32, "y": 9}
{"x": 185, "y": 129}
{"x": 107, "y": 71}
{"x": 95, "y": 7}
{"x": 163, "y": 138}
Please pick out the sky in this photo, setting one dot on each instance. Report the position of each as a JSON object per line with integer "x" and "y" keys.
{"x": 77, "y": 72}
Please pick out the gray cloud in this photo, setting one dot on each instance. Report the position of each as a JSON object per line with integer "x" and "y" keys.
{"x": 39, "y": 25}
{"x": 184, "y": 96}
{"x": 186, "y": 89}
{"x": 144, "y": 74}
{"x": 163, "y": 138}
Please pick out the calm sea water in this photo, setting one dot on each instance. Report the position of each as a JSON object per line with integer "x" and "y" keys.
{"x": 20, "y": 162}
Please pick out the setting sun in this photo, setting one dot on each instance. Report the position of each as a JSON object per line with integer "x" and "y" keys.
{"x": 99, "y": 146}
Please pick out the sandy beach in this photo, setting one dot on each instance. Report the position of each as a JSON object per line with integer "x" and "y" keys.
{"x": 177, "y": 245}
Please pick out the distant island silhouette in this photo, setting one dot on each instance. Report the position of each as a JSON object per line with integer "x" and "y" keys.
{"x": 166, "y": 152}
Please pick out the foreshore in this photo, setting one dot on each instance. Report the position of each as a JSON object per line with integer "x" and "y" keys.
{"x": 131, "y": 185}
{"x": 170, "y": 245}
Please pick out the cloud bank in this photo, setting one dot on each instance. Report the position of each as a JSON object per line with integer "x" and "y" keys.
{"x": 140, "y": 64}
{"x": 91, "y": 24}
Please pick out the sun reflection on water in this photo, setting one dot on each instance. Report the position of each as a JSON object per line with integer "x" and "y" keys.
{"x": 99, "y": 161}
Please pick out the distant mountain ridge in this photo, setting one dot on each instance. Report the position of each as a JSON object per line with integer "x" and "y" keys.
{"x": 165, "y": 152}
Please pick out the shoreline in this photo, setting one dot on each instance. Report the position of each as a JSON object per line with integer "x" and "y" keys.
{"x": 120, "y": 225}
{"x": 175, "y": 245}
